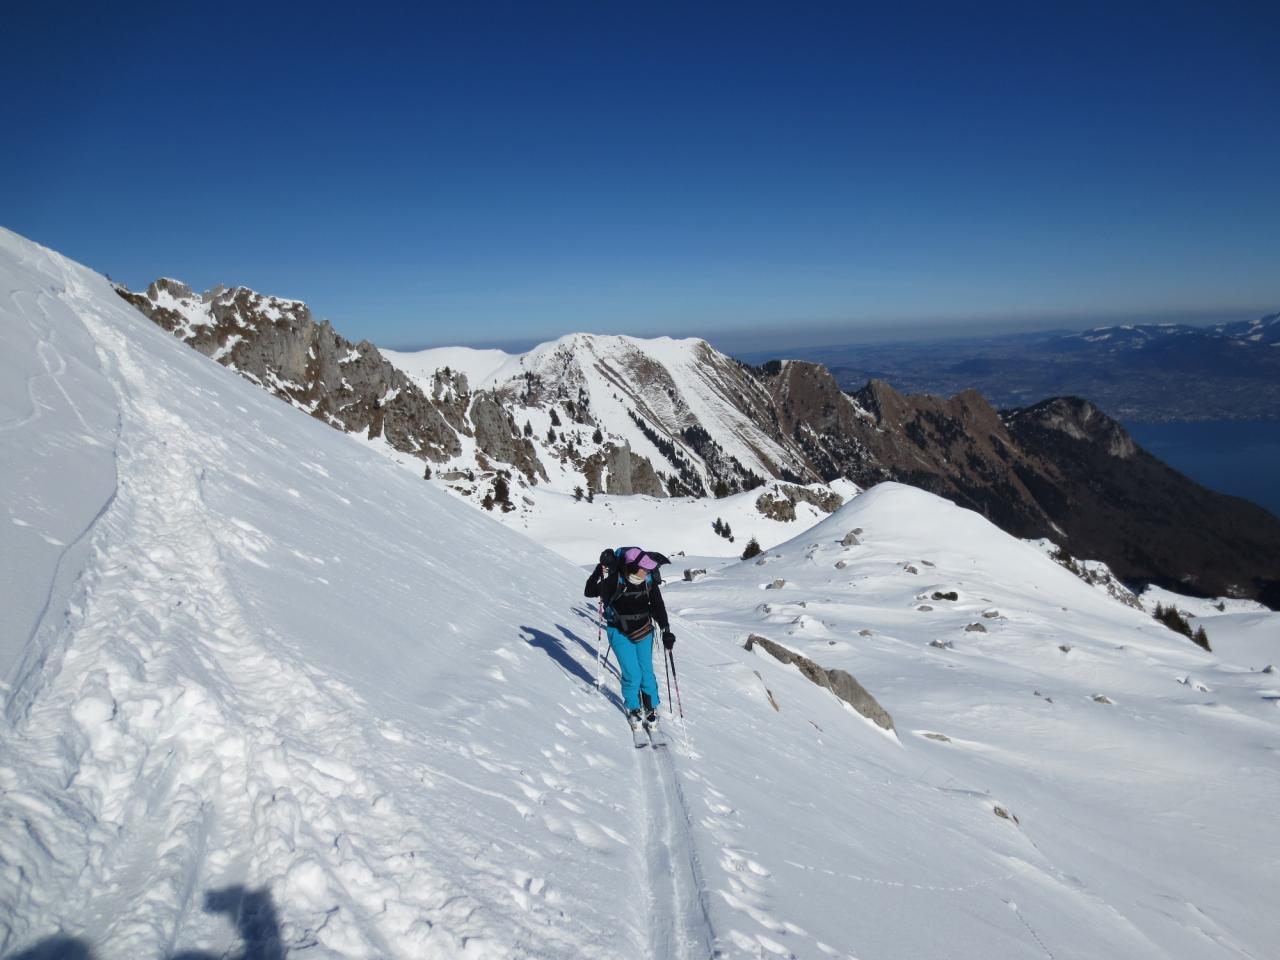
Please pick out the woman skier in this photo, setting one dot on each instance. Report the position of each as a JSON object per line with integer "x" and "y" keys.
{"x": 626, "y": 581}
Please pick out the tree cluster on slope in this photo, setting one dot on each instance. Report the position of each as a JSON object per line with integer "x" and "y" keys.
{"x": 1174, "y": 619}
{"x": 687, "y": 481}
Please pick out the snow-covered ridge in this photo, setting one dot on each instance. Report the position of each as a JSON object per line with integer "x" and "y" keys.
{"x": 623, "y": 416}
{"x": 1264, "y": 330}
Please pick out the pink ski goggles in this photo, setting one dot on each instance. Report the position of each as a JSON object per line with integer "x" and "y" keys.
{"x": 635, "y": 557}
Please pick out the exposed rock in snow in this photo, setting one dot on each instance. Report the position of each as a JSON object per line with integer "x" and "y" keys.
{"x": 840, "y": 682}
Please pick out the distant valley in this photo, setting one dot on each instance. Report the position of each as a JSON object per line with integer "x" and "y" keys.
{"x": 1149, "y": 372}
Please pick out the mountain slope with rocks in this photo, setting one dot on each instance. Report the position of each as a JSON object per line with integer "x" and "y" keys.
{"x": 622, "y": 416}
{"x": 266, "y": 694}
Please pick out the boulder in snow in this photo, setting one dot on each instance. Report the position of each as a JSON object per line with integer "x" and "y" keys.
{"x": 840, "y": 682}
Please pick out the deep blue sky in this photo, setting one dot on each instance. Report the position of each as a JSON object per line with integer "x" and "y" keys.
{"x": 491, "y": 172}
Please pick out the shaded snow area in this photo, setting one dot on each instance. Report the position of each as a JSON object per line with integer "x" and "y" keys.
{"x": 269, "y": 694}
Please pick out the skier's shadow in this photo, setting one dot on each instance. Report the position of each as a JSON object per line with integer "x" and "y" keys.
{"x": 557, "y": 651}
{"x": 254, "y": 914}
{"x": 252, "y": 911}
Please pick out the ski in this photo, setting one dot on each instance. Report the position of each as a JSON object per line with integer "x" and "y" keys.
{"x": 639, "y": 737}
{"x": 657, "y": 738}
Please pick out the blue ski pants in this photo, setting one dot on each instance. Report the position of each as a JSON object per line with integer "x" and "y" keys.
{"x": 635, "y": 661}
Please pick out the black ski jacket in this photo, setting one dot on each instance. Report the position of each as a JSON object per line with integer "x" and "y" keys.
{"x": 629, "y": 606}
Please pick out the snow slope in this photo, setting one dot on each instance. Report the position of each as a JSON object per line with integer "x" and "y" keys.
{"x": 270, "y": 692}
{"x": 266, "y": 660}
{"x": 1141, "y": 770}
{"x": 1244, "y": 632}
{"x": 421, "y": 365}
{"x": 577, "y": 530}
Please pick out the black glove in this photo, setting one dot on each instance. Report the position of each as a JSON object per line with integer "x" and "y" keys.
{"x": 668, "y": 639}
{"x": 607, "y": 559}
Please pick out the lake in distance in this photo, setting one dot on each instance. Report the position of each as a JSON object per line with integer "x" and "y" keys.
{"x": 1239, "y": 457}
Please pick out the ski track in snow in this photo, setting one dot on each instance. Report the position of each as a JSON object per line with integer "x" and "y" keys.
{"x": 680, "y": 924}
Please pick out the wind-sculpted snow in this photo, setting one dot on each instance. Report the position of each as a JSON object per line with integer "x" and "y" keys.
{"x": 292, "y": 699}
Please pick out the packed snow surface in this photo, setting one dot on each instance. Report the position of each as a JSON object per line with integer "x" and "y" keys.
{"x": 267, "y": 692}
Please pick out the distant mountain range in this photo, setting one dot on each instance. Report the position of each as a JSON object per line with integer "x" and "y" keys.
{"x": 667, "y": 417}
{"x": 1146, "y": 372}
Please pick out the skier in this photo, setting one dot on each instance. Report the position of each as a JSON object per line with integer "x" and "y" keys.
{"x": 626, "y": 581}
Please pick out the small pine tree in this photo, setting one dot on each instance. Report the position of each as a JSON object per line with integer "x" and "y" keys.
{"x": 555, "y": 418}
{"x": 597, "y": 437}
{"x": 728, "y": 533}
{"x": 752, "y": 549}
{"x": 528, "y": 429}
{"x": 426, "y": 474}
{"x": 718, "y": 526}
{"x": 501, "y": 491}
{"x": 1202, "y": 639}
{"x": 487, "y": 502}
{"x": 577, "y": 493}
{"x": 551, "y": 434}
{"x": 591, "y": 495}
{"x": 721, "y": 490}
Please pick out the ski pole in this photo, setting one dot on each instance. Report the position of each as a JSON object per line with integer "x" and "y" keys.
{"x": 670, "y": 707}
{"x": 599, "y": 631}
{"x": 599, "y": 643}
{"x": 671, "y": 655}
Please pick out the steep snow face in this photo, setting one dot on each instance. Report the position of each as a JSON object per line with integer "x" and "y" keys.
{"x": 251, "y": 667}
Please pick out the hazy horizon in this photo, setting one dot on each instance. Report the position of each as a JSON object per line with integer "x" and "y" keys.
{"x": 883, "y": 332}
